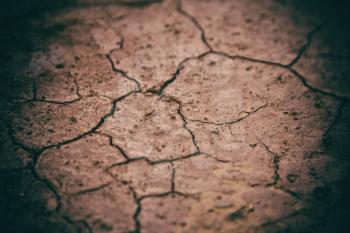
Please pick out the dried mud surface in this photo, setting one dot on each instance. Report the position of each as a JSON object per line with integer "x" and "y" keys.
{"x": 175, "y": 116}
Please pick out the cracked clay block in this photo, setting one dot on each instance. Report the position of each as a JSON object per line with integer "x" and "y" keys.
{"x": 110, "y": 208}
{"x": 224, "y": 90}
{"x": 145, "y": 125}
{"x": 80, "y": 165}
{"x": 143, "y": 177}
{"x": 99, "y": 78}
{"x": 38, "y": 124}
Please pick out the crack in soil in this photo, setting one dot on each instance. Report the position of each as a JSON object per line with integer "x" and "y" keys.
{"x": 195, "y": 23}
{"x": 308, "y": 43}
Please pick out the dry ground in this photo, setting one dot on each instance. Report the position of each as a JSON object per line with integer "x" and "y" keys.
{"x": 193, "y": 116}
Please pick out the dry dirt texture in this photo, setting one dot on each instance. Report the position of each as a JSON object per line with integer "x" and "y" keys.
{"x": 194, "y": 116}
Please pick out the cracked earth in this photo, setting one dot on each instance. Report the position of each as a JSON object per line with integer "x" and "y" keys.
{"x": 167, "y": 117}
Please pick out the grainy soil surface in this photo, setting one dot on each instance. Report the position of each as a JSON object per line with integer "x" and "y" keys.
{"x": 193, "y": 116}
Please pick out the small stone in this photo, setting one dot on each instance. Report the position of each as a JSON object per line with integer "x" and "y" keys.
{"x": 243, "y": 114}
